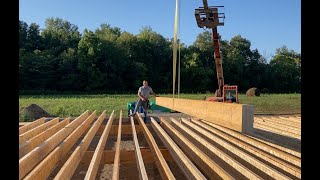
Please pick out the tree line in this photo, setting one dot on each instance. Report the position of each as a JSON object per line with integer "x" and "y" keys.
{"x": 60, "y": 59}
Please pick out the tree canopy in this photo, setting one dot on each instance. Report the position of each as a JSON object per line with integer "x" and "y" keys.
{"x": 59, "y": 58}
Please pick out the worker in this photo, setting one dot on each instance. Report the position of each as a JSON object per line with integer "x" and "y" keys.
{"x": 230, "y": 96}
{"x": 143, "y": 93}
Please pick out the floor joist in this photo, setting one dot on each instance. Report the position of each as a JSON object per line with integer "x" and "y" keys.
{"x": 140, "y": 163}
{"x": 43, "y": 170}
{"x": 31, "y": 125}
{"x": 89, "y": 147}
{"x": 116, "y": 164}
{"x": 40, "y": 138}
{"x": 95, "y": 162}
{"x": 70, "y": 166}
{"x": 161, "y": 163}
{"x": 276, "y": 161}
{"x": 254, "y": 164}
{"x": 30, "y": 160}
{"x": 207, "y": 166}
{"x": 185, "y": 164}
{"x": 39, "y": 129}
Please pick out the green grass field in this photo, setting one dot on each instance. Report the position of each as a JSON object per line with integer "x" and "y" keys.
{"x": 74, "y": 105}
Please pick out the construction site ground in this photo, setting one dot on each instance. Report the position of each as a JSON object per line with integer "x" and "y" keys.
{"x": 191, "y": 148}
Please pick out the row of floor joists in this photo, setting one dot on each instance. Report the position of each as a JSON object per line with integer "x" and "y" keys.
{"x": 168, "y": 148}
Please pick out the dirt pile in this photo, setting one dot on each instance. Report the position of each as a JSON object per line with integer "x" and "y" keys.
{"x": 32, "y": 112}
{"x": 253, "y": 92}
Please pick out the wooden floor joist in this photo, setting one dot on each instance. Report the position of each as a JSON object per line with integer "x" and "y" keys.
{"x": 277, "y": 162}
{"x": 116, "y": 163}
{"x": 254, "y": 162}
{"x": 238, "y": 117}
{"x": 126, "y": 129}
{"x": 70, "y": 166}
{"x": 34, "y": 157}
{"x": 23, "y": 124}
{"x": 43, "y": 170}
{"x": 263, "y": 146}
{"x": 278, "y": 126}
{"x": 281, "y": 119}
{"x": 126, "y": 156}
{"x": 140, "y": 164}
{"x": 276, "y": 129}
{"x": 161, "y": 163}
{"x": 207, "y": 166}
{"x": 276, "y": 121}
{"x": 190, "y": 148}
{"x": 290, "y": 119}
{"x": 289, "y": 143}
{"x": 37, "y": 130}
{"x": 40, "y": 138}
{"x": 217, "y": 166}
{"x": 95, "y": 162}
{"x": 31, "y": 125}
{"x": 296, "y": 156}
{"x": 185, "y": 164}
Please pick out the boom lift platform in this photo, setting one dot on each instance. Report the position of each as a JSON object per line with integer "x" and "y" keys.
{"x": 209, "y": 17}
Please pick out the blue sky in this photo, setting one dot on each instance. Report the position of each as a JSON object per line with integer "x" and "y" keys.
{"x": 267, "y": 24}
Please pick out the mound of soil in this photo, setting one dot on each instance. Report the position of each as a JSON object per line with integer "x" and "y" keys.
{"x": 253, "y": 92}
{"x": 32, "y": 112}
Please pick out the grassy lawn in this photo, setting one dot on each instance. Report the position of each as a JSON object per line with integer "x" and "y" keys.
{"x": 74, "y": 105}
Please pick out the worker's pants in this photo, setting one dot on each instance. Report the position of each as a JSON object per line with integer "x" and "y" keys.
{"x": 144, "y": 104}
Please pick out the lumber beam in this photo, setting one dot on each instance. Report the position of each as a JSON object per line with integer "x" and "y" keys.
{"x": 116, "y": 163}
{"x": 95, "y": 161}
{"x": 278, "y": 121}
{"x": 290, "y": 119}
{"x": 161, "y": 163}
{"x": 23, "y": 124}
{"x": 277, "y": 162}
{"x": 31, "y": 125}
{"x": 126, "y": 129}
{"x": 140, "y": 164}
{"x": 184, "y": 163}
{"x": 234, "y": 149}
{"x": 276, "y": 130}
{"x": 208, "y": 166}
{"x": 233, "y": 167}
{"x": 294, "y": 153}
{"x": 238, "y": 117}
{"x": 279, "y": 126}
{"x": 264, "y": 145}
{"x": 37, "y": 130}
{"x": 34, "y": 157}
{"x": 40, "y": 138}
{"x": 68, "y": 169}
{"x": 46, "y": 166}
{"x": 126, "y": 156}
{"x": 287, "y": 141}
